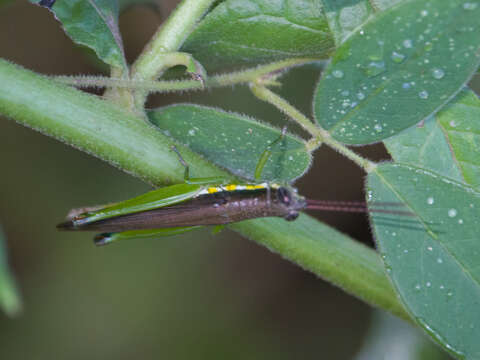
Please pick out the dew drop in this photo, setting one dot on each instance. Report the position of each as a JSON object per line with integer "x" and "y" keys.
{"x": 424, "y": 13}
{"x": 397, "y": 57}
{"x": 369, "y": 195}
{"x": 439, "y": 260}
{"x": 469, "y": 6}
{"x": 374, "y": 68}
{"x": 430, "y": 200}
{"x": 429, "y": 248}
{"x": 423, "y": 94}
{"x": 452, "y": 123}
{"x": 417, "y": 287}
{"x": 406, "y": 85}
{"x": 428, "y": 284}
{"x": 428, "y": 46}
{"x": 360, "y": 96}
{"x": 338, "y": 74}
{"x": 438, "y": 73}
{"x": 407, "y": 43}
{"x": 452, "y": 213}
{"x": 460, "y": 221}
{"x": 378, "y": 127}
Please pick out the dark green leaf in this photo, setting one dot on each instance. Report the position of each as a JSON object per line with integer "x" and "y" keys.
{"x": 10, "y": 300}
{"x": 233, "y": 141}
{"x": 433, "y": 256}
{"x": 398, "y": 69}
{"x": 345, "y": 16}
{"x": 255, "y": 31}
{"x": 93, "y": 23}
{"x": 446, "y": 143}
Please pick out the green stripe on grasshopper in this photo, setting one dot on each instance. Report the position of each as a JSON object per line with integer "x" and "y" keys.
{"x": 155, "y": 199}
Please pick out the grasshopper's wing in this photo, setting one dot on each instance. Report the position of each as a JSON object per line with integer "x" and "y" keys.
{"x": 107, "y": 238}
{"x": 155, "y": 199}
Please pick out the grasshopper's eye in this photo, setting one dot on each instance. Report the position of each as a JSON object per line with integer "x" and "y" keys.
{"x": 284, "y": 196}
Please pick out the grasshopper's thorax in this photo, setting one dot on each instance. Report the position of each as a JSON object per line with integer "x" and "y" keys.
{"x": 281, "y": 200}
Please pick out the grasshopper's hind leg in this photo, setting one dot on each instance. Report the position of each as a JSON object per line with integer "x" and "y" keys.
{"x": 195, "y": 181}
{"x": 108, "y": 238}
{"x": 266, "y": 155}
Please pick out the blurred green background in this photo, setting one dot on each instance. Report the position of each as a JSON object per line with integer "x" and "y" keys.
{"x": 192, "y": 296}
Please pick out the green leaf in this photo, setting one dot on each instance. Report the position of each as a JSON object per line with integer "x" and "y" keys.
{"x": 398, "y": 69}
{"x": 459, "y": 122}
{"x": 10, "y": 300}
{"x": 433, "y": 256}
{"x": 446, "y": 143}
{"x": 233, "y": 141}
{"x": 93, "y": 23}
{"x": 257, "y": 31}
{"x": 345, "y": 16}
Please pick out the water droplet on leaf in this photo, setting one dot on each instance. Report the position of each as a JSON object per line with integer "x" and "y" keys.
{"x": 423, "y": 94}
{"x": 469, "y": 6}
{"x": 375, "y": 68}
{"x": 338, "y": 74}
{"x": 438, "y": 73}
{"x": 397, "y": 57}
{"x": 407, "y": 43}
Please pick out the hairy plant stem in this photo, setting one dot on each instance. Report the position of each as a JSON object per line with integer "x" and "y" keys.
{"x": 168, "y": 39}
{"x": 319, "y": 135}
{"x": 228, "y": 79}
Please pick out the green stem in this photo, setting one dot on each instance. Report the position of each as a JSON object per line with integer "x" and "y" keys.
{"x": 123, "y": 97}
{"x": 319, "y": 135}
{"x": 114, "y": 135}
{"x": 329, "y": 254}
{"x": 265, "y": 94}
{"x": 240, "y": 77}
{"x": 169, "y": 38}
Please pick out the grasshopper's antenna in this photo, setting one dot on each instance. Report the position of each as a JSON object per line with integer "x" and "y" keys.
{"x": 355, "y": 206}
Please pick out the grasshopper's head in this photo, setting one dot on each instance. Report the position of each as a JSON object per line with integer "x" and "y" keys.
{"x": 291, "y": 200}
